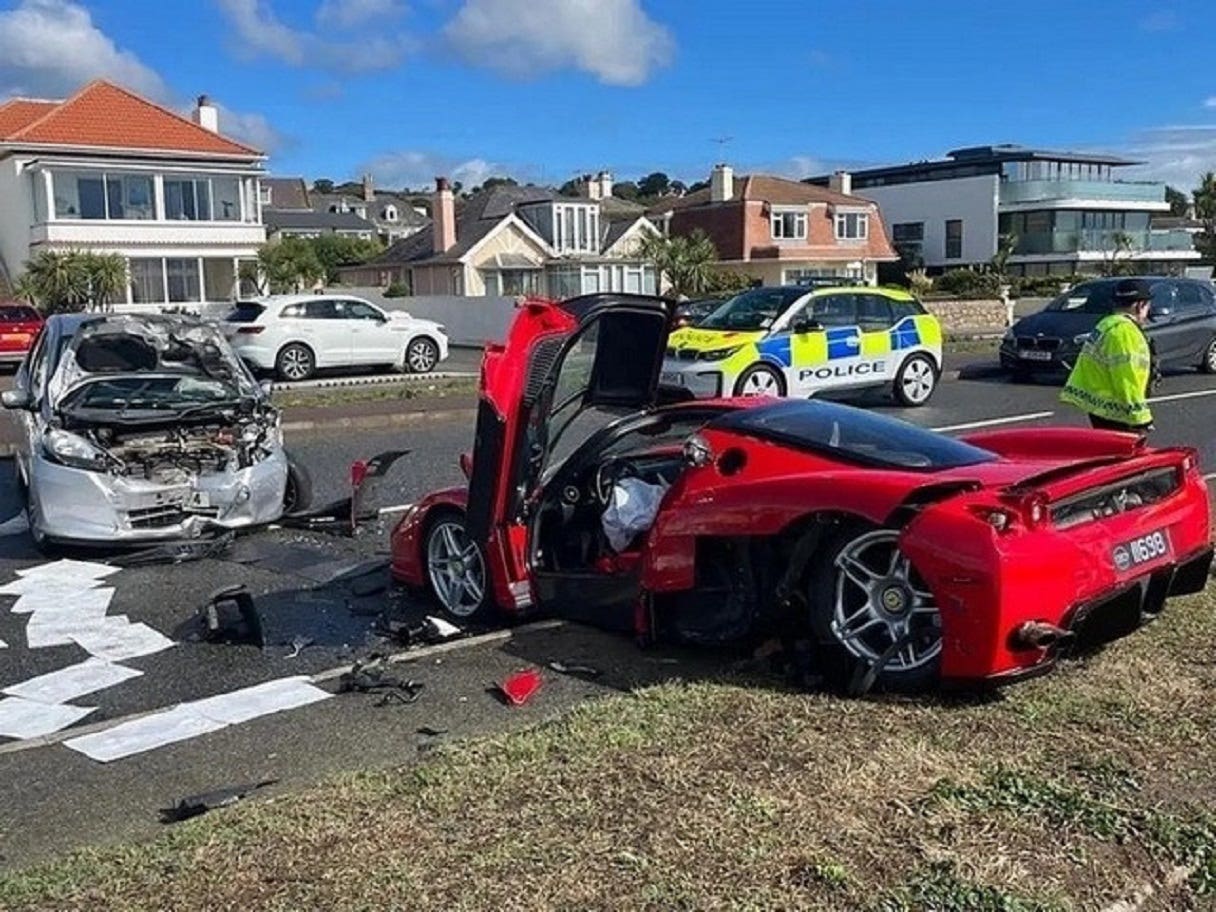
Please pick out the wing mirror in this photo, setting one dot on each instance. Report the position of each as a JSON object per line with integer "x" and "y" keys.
{"x": 807, "y": 325}
{"x": 17, "y": 399}
{"x": 1160, "y": 311}
{"x": 466, "y": 464}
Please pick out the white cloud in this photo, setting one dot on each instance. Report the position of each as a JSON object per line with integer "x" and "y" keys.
{"x": 418, "y": 170}
{"x": 612, "y": 39}
{"x": 251, "y": 129}
{"x": 259, "y": 32}
{"x": 1177, "y": 155}
{"x": 349, "y": 14}
{"x": 1210, "y": 102}
{"x": 51, "y": 48}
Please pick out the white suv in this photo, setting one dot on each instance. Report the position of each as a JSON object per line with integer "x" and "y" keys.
{"x": 297, "y": 335}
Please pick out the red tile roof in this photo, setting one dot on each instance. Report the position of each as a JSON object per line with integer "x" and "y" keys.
{"x": 779, "y": 191}
{"x": 107, "y": 116}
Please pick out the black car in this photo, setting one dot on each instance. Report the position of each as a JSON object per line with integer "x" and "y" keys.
{"x": 690, "y": 313}
{"x": 1181, "y": 327}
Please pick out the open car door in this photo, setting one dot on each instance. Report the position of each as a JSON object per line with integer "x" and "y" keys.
{"x": 599, "y": 351}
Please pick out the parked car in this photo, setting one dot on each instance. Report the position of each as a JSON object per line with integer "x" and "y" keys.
{"x": 799, "y": 341}
{"x": 1181, "y": 327}
{"x": 136, "y": 428}
{"x": 689, "y": 313}
{"x": 915, "y": 555}
{"x": 19, "y": 326}
{"x": 296, "y": 335}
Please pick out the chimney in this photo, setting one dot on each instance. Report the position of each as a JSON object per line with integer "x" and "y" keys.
{"x": 721, "y": 184}
{"x": 206, "y": 115}
{"x": 443, "y": 216}
{"x": 841, "y": 182}
{"x": 591, "y": 186}
{"x": 369, "y": 190}
{"x": 604, "y": 179}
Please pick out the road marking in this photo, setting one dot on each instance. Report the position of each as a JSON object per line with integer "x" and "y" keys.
{"x": 400, "y": 508}
{"x": 989, "y": 422}
{"x": 1192, "y": 395}
{"x": 1210, "y": 476}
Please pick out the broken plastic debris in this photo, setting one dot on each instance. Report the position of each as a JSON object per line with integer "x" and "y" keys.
{"x": 371, "y": 677}
{"x": 581, "y": 671}
{"x": 194, "y": 805}
{"x": 519, "y": 687}
{"x": 443, "y": 629}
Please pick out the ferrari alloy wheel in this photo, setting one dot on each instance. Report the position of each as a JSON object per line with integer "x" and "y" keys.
{"x": 421, "y": 356}
{"x": 455, "y": 568}
{"x": 1209, "y": 358}
{"x": 869, "y": 603}
{"x": 916, "y": 381}
{"x": 760, "y": 380}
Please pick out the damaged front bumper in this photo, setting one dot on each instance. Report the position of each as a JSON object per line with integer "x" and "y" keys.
{"x": 76, "y": 505}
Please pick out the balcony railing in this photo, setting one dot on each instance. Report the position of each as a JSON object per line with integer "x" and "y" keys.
{"x": 1042, "y": 191}
{"x": 1102, "y": 241}
{"x": 1171, "y": 240}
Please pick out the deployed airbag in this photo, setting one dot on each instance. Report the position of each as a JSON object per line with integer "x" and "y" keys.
{"x": 631, "y": 510}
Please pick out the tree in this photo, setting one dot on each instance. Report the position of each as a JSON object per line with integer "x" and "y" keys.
{"x": 492, "y": 182}
{"x": 1006, "y": 245}
{"x": 653, "y": 185}
{"x": 698, "y": 185}
{"x": 289, "y": 265}
{"x": 574, "y": 186}
{"x": 1179, "y": 202}
{"x": 626, "y": 190}
{"x": 1121, "y": 243}
{"x": 72, "y": 281}
{"x": 323, "y": 185}
{"x": 336, "y": 250}
{"x": 686, "y": 260}
{"x": 1205, "y": 210}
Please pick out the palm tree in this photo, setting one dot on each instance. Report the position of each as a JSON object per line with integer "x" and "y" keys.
{"x": 686, "y": 260}
{"x": 108, "y": 279}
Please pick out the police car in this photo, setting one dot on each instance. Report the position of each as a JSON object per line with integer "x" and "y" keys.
{"x": 799, "y": 341}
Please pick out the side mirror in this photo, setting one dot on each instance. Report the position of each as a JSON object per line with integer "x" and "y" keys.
{"x": 1160, "y": 311}
{"x": 807, "y": 325}
{"x": 17, "y": 399}
{"x": 466, "y": 464}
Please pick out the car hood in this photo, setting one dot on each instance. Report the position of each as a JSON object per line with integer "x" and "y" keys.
{"x": 690, "y": 338}
{"x": 1060, "y": 323}
{"x": 129, "y": 344}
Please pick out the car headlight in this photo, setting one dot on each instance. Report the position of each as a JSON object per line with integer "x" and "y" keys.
{"x": 718, "y": 354}
{"x": 1081, "y": 339}
{"x": 73, "y": 450}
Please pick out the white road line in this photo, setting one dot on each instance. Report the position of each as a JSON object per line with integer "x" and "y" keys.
{"x": 1193, "y": 395}
{"x": 989, "y": 422}
{"x": 1210, "y": 476}
{"x": 400, "y": 508}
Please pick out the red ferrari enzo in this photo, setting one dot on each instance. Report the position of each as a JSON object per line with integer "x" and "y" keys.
{"x": 903, "y": 554}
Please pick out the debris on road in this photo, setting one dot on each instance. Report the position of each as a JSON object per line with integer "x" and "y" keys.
{"x": 371, "y": 676}
{"x": 431, "y": 731}
{"x": 342, "y": 517}
{"x": 231, "y": 617}
{"x": 176, "y": 552}
{"x": 196, "y": 805}
{"x": 578, "y": 671}
{"x": 519, "y": 687}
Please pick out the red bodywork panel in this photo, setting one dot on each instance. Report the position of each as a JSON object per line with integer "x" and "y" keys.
{"x": 980, "y": 536}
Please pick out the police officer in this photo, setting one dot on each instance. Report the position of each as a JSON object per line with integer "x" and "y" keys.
{"x": 1110, "y": 381}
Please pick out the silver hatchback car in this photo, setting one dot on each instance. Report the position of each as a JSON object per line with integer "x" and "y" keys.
{"x": 143, "y": 428}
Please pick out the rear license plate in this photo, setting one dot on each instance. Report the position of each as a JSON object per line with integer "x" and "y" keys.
{"x": 671, "y": 378}
{"x": 1031, "y": 355}
{"x": 1142, "y": 550}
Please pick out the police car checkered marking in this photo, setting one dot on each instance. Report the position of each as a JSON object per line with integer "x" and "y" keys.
{"x": 776, "y": 350}
{"x": 844, "y": 343}
{"x": 904, "y": 334}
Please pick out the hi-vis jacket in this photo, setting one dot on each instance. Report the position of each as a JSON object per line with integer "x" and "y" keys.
{"x": 1111, "y": 376}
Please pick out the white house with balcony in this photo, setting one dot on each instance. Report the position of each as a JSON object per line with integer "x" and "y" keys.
{"x": 110, "y": 172}
{"x": 1068, "y": 212}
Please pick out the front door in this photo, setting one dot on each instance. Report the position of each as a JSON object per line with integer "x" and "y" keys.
{"x": 372, "y": 337}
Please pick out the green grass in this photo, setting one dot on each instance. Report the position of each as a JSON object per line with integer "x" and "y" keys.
{"x": 1066, "y": 793}
{"x": 377, "y": 392}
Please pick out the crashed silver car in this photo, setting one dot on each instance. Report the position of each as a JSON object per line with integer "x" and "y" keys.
{"x": 138, "y": 428}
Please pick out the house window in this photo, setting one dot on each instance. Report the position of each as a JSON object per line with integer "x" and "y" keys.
{"x": 187, "y": 199}
{"x": 789, "y": 225}
{"x": 264, "y": 194}
{"x": 226, "y": 193}
{"x": 103, "y": 196}
{"x": 517, "y": 282}
{"x": 954, "y": 239}
{"x": 219, "y": 278}
{"x": 852, "y": 226}
{"x": 390, "y": 213}
{"x": 147, "y": 281}
{"x": 182, "y": 280}
{"x": 908, "y": 231}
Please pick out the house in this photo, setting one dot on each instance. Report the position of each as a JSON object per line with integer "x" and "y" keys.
{"x": 111, "y": 172}
{"x": 781, "y": 231}
{"x": 512, "y": 240}
{"x": 393, "y": 214}
{"x": 1066, "y": 211}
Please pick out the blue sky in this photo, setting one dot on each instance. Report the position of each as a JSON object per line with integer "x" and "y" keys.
{"x": 546, "y": 89}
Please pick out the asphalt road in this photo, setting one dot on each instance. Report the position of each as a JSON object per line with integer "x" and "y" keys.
{"x": 57, "y": 799}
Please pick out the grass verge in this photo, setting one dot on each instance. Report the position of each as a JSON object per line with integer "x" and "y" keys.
{"x": 379, "y": 392}
{"x": 1071, "y": 792}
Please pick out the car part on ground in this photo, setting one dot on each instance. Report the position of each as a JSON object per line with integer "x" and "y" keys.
{"x": 372, "y": 676}
{"x": 138, "y": 428}
{"x": 197, "y": 805}
{"x": 340, "y": 517}
{"x": 908, "y": 556}
{"x": 520, "y": 687}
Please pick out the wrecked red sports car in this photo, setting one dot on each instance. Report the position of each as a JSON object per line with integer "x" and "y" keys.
{"x": 900, "y": 553}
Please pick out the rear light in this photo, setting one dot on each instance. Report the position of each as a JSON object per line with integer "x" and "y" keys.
{"x": 249, "y": 330}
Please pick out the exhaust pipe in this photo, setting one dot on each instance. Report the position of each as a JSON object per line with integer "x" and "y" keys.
{"x": 1039, "y": 635}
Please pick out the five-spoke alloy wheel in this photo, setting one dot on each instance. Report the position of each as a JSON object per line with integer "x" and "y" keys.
{"x": 455, "y": 568}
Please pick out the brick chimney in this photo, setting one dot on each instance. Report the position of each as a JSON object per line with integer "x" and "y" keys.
{"x": 443, "y": 216}
{"x": 369, "y": 189}
{"x": 721, "y": 184}
{"x": 206, "y": 115}
{"x": 841, "y": 182}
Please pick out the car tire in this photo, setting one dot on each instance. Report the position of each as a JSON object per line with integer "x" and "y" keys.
{"x": 1208, "y": 364}
{"x": 295, "y": 362}
{"x": 445, "y": 544}
{"x": 861, "y": 625}
{"x": 915, "y": 381}
{"x": 297, "y": 493}
{"x": 421, "y": 356}
{"x": 760, "y": 380}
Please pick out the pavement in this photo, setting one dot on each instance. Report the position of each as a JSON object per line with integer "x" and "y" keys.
{"x": 58, "y": 800}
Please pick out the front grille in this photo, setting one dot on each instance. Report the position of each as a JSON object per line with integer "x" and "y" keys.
{"x": 682, "y": 354}
{"x": 1120, "y": 497}
{"x": 1040, "y": 343}
{"x": 156, "y": 517}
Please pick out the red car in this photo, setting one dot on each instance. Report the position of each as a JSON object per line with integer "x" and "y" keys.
{"x": 907, "y": 557}
{"x": 19, "y": 327}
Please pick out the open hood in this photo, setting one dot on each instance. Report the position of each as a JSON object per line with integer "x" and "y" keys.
{"x": 560, "y": 359}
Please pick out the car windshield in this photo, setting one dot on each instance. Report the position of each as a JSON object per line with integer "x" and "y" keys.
{"x": 151, "y": 393}
{"x": 752, "y": 310}
{"x": 854, "y": 435}
{"x": 1089, "y": 297}
{"x": 18, "y": 315}
{"x": 244, "y": 312}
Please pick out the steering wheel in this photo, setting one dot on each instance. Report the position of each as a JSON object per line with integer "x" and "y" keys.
{"x": 607, "y": 474}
